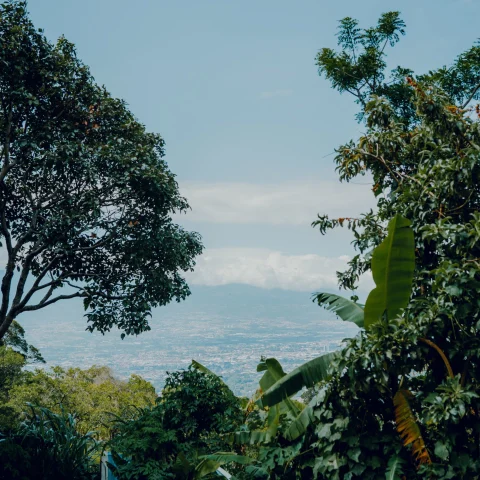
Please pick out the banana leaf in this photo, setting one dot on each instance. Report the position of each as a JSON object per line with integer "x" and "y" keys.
{"x": 345, "y": 309}
{"x": 210, "y": 463}
{"x": 393, "y": 264}
{"x": 306, "y": 375}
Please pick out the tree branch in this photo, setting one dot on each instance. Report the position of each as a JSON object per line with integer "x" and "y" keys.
{"x": 36, "y": 285}
{"x": 45, "y": 303}
{"x": 6, "y": 147}
{"x": 470, "y": 98}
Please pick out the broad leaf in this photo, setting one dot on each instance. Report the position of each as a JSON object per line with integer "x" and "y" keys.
{"x": 198, "y": 366}
{"x": 299, "y": 426}
{"x": 257, "y": 472}
{"x": 274, "y": 373}
{"x": 210, "y": 463}
{"x": 249, "y": 438}
{"x": 306, "y": 375}
{"x": 346, "y": 309}
{"x": 393, "y": 264}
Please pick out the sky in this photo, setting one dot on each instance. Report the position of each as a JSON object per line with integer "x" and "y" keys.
{"x": 249, "y": 126}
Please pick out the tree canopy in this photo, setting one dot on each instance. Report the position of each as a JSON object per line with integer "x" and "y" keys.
{"x": 422, "y": 149}
{"x": 94, "y": 395}
{"x": 86, "y": 197}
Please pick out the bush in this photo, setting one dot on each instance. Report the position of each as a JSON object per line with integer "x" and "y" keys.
{"x": 47, "y": 446}
{"x": 165, "y": 441}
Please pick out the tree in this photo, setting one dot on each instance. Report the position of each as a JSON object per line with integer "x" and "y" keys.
{"x": 85, "y": 195}
{"x": 191, "y": 417}
{"x": 360, "y": 68}
{"x": 15, "y": 339}
{"x": 94, "y": 396}
{"x": 422, "y": 149}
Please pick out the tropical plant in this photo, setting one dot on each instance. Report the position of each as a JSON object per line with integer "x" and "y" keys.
{"x": 47, "y": 446}
{"x": 393, "y": 265}
{"x": 169, "y": 440}
{"x": 86, "y": 198}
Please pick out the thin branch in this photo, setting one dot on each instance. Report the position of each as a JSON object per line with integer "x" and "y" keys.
{"x": 36, "y": 285}
{"x": 393, "y": 173}
{"x": 30, "y": 308}
{"x": 470, "y": 98}
{"x": 6, "y": 147}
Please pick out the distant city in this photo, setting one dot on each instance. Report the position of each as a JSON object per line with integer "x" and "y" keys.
{"x": 226, "y": 328}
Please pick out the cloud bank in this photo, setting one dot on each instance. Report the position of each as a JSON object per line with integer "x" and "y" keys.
{"x": 274, "y": 204}
{"x": 269, "y": 269}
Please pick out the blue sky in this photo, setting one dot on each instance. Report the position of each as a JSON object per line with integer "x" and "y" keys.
{"x": 249, "y": 125}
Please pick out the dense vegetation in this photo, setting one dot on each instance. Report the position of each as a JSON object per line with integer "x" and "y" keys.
{"x": 400, "y": 400}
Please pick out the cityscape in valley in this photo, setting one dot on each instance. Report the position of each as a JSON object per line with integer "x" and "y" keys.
{"x": 227, "y": 328}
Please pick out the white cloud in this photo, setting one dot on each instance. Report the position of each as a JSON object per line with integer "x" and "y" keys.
{"x": 275, "y": 204}
{"x": 276, "y": 93}
{"x": 269, "y": 269}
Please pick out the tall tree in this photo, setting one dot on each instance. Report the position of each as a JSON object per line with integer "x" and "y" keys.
{"x": 421, "y": 147}
{"x": 85, "y": 195}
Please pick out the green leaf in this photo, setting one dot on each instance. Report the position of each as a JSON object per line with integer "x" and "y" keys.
{"x": 273, "y": 421}
{"x": 210, "y": 463}
{"x": 394, "y": 468}
{"x": 441, "y": 450}
{"x": 346, "y": 309}
{"x": 249, "y": 438}
{"x": 257, "y": 472}
{"x": 393, "y": 264}
{"x": 299, "y": 426}
{"x": 306, "y": 375}
{"x": 274, "y": 373}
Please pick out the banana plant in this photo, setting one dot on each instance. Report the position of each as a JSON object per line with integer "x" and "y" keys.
{"x": 393, "y": 264}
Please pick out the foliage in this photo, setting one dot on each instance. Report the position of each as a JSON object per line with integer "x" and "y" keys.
{"x": 393, "y": 263}
{"x": 48, "y": 447}
{"x": 345, "y": 309}
{"x": 15, "y": 339}
{"x": 11, "y": 365}
{"x": 188, "y": 421}
{"x": 393, "y": 271}
{"x": 392, "y": 267}
{"x": 360, "y": 69}
{"x": 86, "y": 197}
{"x": 93, "y": 395}
{"x": 422, "y": 150}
